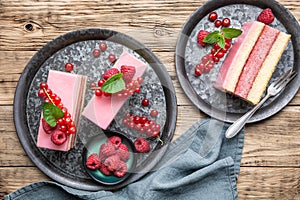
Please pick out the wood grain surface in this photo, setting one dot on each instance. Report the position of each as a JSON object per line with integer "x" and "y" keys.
{"x": 271, "y": 157}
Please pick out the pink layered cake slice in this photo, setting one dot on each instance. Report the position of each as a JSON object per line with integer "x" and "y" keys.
{"x": 71, "y": 89}
{"x": 248, "y": 78}
{"x": 264, "y": 75}
{"x": 102, "y": 110}
{"x": 255, "y": 61}
{"x": 237, "y": 56}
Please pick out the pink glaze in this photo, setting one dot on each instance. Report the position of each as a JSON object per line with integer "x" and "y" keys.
{"x": 237, "y": 56}
{"x": 66, "y": 86}
{"x": 102, "y": 110}
{"x": 255, "y": 61}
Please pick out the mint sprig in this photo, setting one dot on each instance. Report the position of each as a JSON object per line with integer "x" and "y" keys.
{"x": 220, "y": 36}
{"x": 51, "y": 113}
{"x": 114, "y": 84}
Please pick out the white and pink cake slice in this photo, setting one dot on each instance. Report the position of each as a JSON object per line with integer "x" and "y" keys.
{"x": 255, "y": 61}
{"x": 237, "y": 57}
{"x": 71, "y": 89}
{"x": 102, "y": 110}
{"x": 246, "y": 71}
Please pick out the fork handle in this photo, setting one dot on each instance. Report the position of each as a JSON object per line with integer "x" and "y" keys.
{"x": 240, "y": 123}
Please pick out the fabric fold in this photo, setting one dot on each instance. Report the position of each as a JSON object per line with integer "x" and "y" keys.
{"x": 200, "y": 164}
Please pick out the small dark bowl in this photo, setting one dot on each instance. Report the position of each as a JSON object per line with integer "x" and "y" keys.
{"x": 93, "y": 146}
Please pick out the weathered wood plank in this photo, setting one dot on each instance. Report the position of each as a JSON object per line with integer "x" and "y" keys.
{"x": 270, "y": 183}
{"x": 159, "y": 28}
{"x": 266, "y": 183}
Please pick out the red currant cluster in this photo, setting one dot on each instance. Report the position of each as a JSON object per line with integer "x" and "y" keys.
{"x": 208, "y": 61}
{"x": 65, "y": 124}
{"x": 213, "y": 17}
{"x": 103, "y": 47}
{"x": 142, "y": 124}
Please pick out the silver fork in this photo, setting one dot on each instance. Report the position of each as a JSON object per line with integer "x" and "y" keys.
{"x": 273, "y": 90}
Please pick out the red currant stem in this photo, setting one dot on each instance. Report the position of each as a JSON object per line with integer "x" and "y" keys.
{"x": 95, "y": 88}
{"x": 45, "y": 91}
{"x": 160, "y": 140}
{"x": 219, "y": 49}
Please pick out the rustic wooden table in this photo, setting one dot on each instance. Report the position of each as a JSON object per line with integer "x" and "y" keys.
{"x": 270, "y": 167}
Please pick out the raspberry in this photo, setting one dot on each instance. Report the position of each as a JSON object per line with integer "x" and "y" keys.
{"x": 122, "y": 170}
{"x": 110, "y": 72}
{"x": 93, "y": 162}
{"x": 112, "y": 163}
{"x": 128, "y": 73}
{"x": 266, "y": 16}
{"x": 123, "y": 152}
{"x": 47, "y": 128}
{"x": 201, "y": 36}
{"x": 141, "y": 145}
{"x": 104, "y": 169}
{"x": 115, "y": 140}
{"x": 58, "y": 137}
{"x": 107, "y": 149}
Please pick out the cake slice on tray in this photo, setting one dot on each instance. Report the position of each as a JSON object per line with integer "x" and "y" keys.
{"x": 246, "y": 72}
{"x": 65, "y": 91}
{"x": 101, "y": 110}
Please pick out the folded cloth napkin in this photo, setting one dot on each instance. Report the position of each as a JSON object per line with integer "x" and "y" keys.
{"x": 200, "y": 164}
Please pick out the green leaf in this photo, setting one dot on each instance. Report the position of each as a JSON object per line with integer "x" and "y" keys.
{"x": 221, "y": 42}
{"x": 212, "y": 37}
{"x": 51, "y": 113}
{"x": 231, "y": 32}
{"x": 114, "y": 84}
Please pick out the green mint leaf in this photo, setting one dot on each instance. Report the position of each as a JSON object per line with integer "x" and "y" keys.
{"x": 212, "y": 37}
{"x": 114, "y": 84}
{"x": 51, "y": 113}
{"x": 231, "y": 32}
{"x": 221, "y": 42}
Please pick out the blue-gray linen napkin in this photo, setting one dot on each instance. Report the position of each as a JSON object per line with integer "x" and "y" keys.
{"x": 199, "y": 165}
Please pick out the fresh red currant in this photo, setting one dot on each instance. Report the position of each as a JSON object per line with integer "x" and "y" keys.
{"x": 69, "y": 66}
{"x": 111, "y": 58}
{"x": 72, "y": 130}
{"x": 153, "y": 113}
{"x": 63, "y": 128}
{"x": 198, "y": 72}
{"x": 98, "y": 92}
{"x": 92, "y": 85}
{"x": 212, "y": 16}
{"x": 56, "y": 100}
{"x": 218, "y": 23}
{"x": 220, "y": 54}
{"x": 41, "y": 93}
{"x": 216, "y": 46}
{"x": 227, "y": 45}
{"x": 44, "y": 85}
{"x": 226, "y": 22}
{"x": 101, "y": 82}
{"x": 106, "y": 94}
{"x": 102, "y": 46}
{"x": 145, "y": 102}
{"x": 143, "y": 120}
{"x": 137, "y": 90}
{"x": 96, "y": 53}
{"x": 216, "y": 59}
